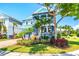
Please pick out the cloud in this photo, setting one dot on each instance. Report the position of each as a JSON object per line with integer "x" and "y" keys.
{"x": 76, "y": 27}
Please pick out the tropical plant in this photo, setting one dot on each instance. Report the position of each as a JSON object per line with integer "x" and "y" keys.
{"x": 3, "y": 28}
{"x": 60, "y": 28}
{"x": 38, "y": 25}
{"x": 47, "y": 5}
{"x": 44, "y": 21}
{"x": 25, "y": 42}
{"x": 62, "y": 9}
{"x": 29, "y": 31}
{"x": 67, "y": 29}
{"x": 24, "y": 32}
{"x": 60, "y": 42}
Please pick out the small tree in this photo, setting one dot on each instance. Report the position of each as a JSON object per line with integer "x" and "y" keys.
{"x": 61, "y": 9}
{"x": 3, "y": 28}
{"x": 38, "y": 25}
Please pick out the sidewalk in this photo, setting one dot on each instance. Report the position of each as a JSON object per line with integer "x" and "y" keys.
{"x": 7, "y": 53}
{"x": 8, "y": 42}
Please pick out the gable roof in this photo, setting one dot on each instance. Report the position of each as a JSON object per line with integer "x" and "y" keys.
{"x": 38, "y": 11}
{"x": 41, "y": 10}
{"x": 5, "y": 16}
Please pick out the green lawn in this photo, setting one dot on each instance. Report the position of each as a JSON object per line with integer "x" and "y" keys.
{"x": 3, "y": 39}
{"x": 41, "y": 48}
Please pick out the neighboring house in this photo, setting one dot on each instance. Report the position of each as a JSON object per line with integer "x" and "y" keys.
{"x": 8, "y": 22}
{"x": 28, "y": 22}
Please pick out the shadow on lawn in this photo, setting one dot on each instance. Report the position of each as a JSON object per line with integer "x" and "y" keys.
{"x": 3, "y": 51}
{"x": 73, "y": 42}
{"x": 38, "y": 48}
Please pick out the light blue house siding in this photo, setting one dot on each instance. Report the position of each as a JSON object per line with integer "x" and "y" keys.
{"x": 8, "y": 22}
{"x": 28, "y": 22}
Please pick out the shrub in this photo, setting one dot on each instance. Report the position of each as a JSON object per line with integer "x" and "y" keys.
{"x": 31, "y": 42}
{"x": 77, "y": 34}
{"x": 4, "y": 36}
{"x": 58, "y": 35}
{"x": 60, "y": 42}
{"x": 25, "y": 42}
{"x": 64, "y": 34}
{"x": 34, "y": 37}
{"x": 43, "y": 41}
{"x": 3, "y": 49}
{"x": 19, "y": 35}
{"x": 45, "y": 37}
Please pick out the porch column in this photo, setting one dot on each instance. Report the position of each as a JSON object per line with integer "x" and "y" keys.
{"x": 47, "y": 29}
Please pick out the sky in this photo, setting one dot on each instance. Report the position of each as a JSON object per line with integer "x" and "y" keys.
{"x": 21, "y": 11}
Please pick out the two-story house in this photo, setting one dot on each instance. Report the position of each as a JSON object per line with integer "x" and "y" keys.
{"x": 8, "y": 22}
{"x": 40, "y": 13}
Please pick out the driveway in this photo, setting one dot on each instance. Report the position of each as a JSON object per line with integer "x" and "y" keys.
{"x": 8, "y": 42}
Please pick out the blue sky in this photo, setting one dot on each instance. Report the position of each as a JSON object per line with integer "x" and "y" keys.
{"x": 21, "y": 11}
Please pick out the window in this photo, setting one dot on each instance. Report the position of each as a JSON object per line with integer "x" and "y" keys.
{"x": 36, "y": 17}
{"x": 43, "y": 29}
{"x": 52, "y": 27}
{"x": 49, "y": 29}
{"x": 26, "y": 22}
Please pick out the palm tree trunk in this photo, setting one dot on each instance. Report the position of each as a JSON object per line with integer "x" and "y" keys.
{"x": 55, "y": 30}
{"x": 54, "y": 22}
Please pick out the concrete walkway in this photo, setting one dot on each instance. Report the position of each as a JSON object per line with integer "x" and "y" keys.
{"x": 7, "y": 53}
{"x": 8, "y": 42}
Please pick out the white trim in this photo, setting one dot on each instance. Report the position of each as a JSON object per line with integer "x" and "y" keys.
{"x": 29, "y": 17}
{"x": 37, "y": 11}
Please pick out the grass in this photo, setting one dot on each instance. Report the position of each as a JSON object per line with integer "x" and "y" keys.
{"x": 2, "y": 40}
{"x": 43, "y": 48}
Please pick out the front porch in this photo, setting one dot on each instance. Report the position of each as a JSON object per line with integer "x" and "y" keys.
{"x": 46, "y": 30}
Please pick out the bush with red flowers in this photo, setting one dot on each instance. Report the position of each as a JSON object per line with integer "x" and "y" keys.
{"x": 59, "y": 42}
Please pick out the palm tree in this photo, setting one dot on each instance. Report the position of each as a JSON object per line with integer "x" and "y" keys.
{"x": 53, "y": 14}
{"x": 29, "y": 31}
{"x": 62, "y": 9}
{"x": 1, "y": 24}
{"x": 44, "y": 21}
{"x": 60, "y": 28}
{"x": 0, "y": 27}
{"x": 3, "y": 28}
{"x": 67, "y": 29}
{"x": 38, "y": 25}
